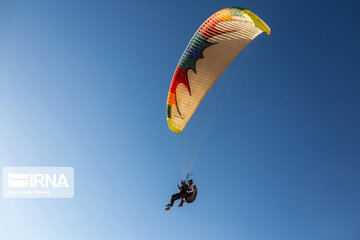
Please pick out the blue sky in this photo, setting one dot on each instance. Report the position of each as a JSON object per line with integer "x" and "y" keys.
{"x": 84, "y": 84}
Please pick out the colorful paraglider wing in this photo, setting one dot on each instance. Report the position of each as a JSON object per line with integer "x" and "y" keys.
{"x": 212, "y": 48}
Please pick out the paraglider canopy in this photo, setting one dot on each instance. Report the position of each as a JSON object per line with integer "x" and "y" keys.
{"x": 210, "y": 51}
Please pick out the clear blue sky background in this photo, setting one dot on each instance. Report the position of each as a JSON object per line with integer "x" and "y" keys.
{"x": 84, "y": 84}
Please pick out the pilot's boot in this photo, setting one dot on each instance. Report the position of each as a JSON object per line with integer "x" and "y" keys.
{"x": 181, "y": 203}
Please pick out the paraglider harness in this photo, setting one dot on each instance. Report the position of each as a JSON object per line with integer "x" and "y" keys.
{"x": 190, "y": 197}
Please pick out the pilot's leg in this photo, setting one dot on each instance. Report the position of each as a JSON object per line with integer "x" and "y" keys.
{"x": 174, "y": 197}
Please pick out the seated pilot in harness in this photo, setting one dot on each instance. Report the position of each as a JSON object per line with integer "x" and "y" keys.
{"x": 186, "y": 191}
